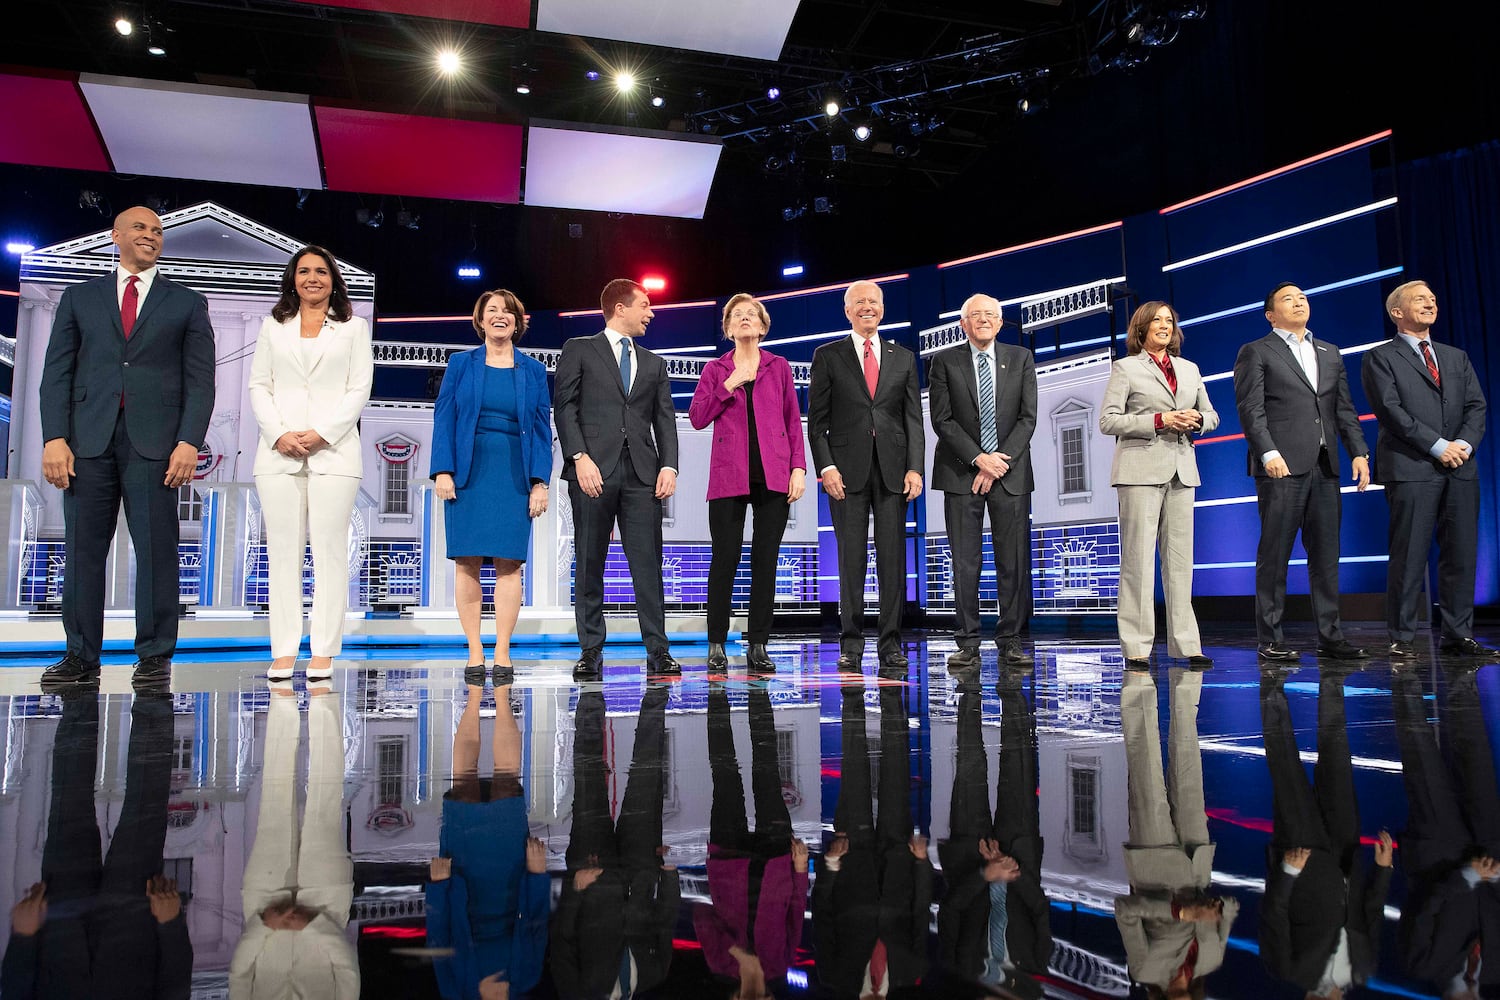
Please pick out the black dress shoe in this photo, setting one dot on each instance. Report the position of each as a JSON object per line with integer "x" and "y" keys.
{"x": 1399, "y": 650}
{"x": 1138, "y": 664}
{"x": 503, "y": 674}
{"x": 1468, "y": 647}
{"x": 963, "y": 658}
{"x": 717, "y": 659}
{"x": 662, "y": 664}
{"x": 1200, "y": 662}
{"x": 1015, "y": 655}
{"x": 70, "y": 671}
{"x": 474, "y": 674}
{"x": 152, "y": 673}
{"x": 1276, "y": 651}
{"x": 1342, "y": 649}
{"x": 590, "y": 665}
{"x": 894, "y": 659}
{"x": 851, "y": 662}
{"x": 758, "y": 659}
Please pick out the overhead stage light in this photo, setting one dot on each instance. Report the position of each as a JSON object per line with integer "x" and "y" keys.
{"x": 448, "y": 62}
{"x": 468, "y": 272}
{"x": 654, "y": 283}
{"x": 523, "y": 89}
{"x": 18, "y": 248}
{"x": 831, "y": 107}
{"x": 124, "y": 26}
{"x": 592, "y": 74}
{"x": 792, "y": 270}
{"x": 773, "y": 93}
{"x": 156, "y": 50}
{"x": 624, "y": 82}
{"x": 862, "y": 132}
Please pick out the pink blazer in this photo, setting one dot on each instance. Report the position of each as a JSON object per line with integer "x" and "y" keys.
{"x": 778, "y": 426}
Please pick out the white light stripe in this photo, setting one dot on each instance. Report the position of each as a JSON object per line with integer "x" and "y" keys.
{"x": 1293, "y": 562}
{"x": 1231, "y": 501}
{"x": 1305, "y": 227}
{"x": 1073, "y": 345}
{"x": 1330, "y": 287}
{"x": 829, "y": 336}
{"x": 953, "y": 313}
{"x": 1343, "y": 351}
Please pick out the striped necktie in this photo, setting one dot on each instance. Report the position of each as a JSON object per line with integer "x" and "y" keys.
{"x": 989, "y": 440}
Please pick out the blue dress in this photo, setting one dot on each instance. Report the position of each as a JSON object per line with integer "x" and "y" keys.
{"x": 490, "y": 517}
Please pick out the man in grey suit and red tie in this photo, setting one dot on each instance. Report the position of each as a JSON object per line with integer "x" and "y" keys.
{"x": 1294, "y": 402}
{"x": 618, "y": 431}
{"x": 983, "y": 397}
{"x": 1431, "y": 413}
{"x": 864, "y": 422}
{"x": 126, "y": 395}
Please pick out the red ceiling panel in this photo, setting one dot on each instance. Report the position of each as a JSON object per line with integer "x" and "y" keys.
{"x": 44, "y": 122}
{"x": 505, "y": 13}
{"x": 381, "y": 153}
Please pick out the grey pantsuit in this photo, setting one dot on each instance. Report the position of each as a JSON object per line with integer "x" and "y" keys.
{"x": 1156, "y": 476}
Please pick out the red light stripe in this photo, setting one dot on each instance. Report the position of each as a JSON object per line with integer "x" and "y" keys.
{"x": 7, "y": 291}
{"x": 1240, "y": 437}
{"x": 421, "y": 319}
{"x": 829, "y": 288}
{"x": 699, "y": 304}
{"x": 1309, "y": 161}
{"x": 1032, "y": 245}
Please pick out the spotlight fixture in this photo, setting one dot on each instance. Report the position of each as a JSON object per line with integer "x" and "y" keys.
{"x": 365, "y": 217}
{"x": 448, "y": 62}
{"x": 654, "y": 283}
{"x": 302, "y": 194}
{"x": 773, "y": 164}
{"x": 125, "y": 26}
{"x": 831, "y": 107}
{"x": 591, "y": 75}
{"x": 156, "y": 203}
{"x": 469, "y": 272}
{"x": 156, "y": 50}
{"x": 791, "y": 212}
{"x": 839, "y": 152}
{"x": 906, "y": 150}
{"x": 862, "y": 132}
{"x": 824, "y": 205}
{"x": 624, "y": 82}
{"x": 523, "y": 88}
{"x": 88, "y": 198}
{"x": 18, "y": 248}
{"x": 408, "y": 220}
{"x": 792, "y": 270}
{"x": 773, "y": 93}
{"x": 657, "y": 100}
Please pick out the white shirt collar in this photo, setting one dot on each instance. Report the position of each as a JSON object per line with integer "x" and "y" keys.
{"x": 142, "y": 287}
{"x": 975, "y": 352}
{"x": 1291, "y": 338}
{"x": 615, "y": 337}
{"x": 859, "y": 345}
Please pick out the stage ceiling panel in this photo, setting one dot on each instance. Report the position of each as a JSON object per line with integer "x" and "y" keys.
{"x": 382, "y": 153}
{"x": 643, "y": 173}
{"x": 504, "y": 13}
{"x": 753, "y": 28}
{"x": 205, "y": 133}
{"x": 45, "y": 123}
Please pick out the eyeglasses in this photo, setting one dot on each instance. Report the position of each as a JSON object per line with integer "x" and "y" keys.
{"x": 744, "y": 314}
{"x": 985, "y": 314}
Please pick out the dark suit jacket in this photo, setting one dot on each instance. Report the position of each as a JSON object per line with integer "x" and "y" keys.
{"x": 594, "y": 416}
{"x": 456, "y": 416}
{"x": 954, "y": 396}
{"x": 1413, "y": 412}
{"x": 964, "y": 917}
{"x": 1280, "y": 411}
{"x": 165, "y": 370}
{"x": 591, "y": 929}
{"x": 1439, "y": 926}
{"x": 856, "y": 904}
{"x": 841, "y": 416}
{"x": 1300, "y": 917}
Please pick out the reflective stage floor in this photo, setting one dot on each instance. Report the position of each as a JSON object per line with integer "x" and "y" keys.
{"x": 646, "y": 830}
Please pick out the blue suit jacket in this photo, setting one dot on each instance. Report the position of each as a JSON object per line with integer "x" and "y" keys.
{"x": 456, "y": 417}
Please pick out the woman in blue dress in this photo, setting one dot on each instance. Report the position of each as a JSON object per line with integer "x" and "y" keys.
{"x": 492, "y": 463}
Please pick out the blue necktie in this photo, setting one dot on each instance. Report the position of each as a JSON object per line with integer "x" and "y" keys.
{"x": 994, "y": 965}
{"x": 989, "y": 440}
{"x": 625, "y": 363}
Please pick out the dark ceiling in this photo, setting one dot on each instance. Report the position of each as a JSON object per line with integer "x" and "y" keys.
{"x": 1117, "y": 125}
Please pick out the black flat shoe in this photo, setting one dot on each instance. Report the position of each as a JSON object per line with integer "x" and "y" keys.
{"x": 1275, "y": 651}
{"x": 474, "y": 674}
{"x": 70, "y": 672}
{"x": 504, "y": 674}
{"x": 1342, "y": 649}
{"x": 963, "y": 658}
{"x": 1015, "y": 654}
{"x": 590, "y": 665}
{"x": 1468, "y": 647}
{"x": 1138, "y": 664}
{"x": 1200, "y": 662}
{"x": 717, "y": 658}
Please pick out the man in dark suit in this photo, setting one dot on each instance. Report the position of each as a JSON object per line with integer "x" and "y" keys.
{"x": 126, "y": 395}
{"x": 1293, "y": 399}
{"x": 864, "y": 421}
{"x": 1431, "y": 412}
{"x": 983, "y": 397}
{"x": 618, "y": 431}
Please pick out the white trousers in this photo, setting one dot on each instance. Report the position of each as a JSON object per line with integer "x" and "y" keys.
{"x": 307, "y": 509}
{"x": 1157, "y": 519}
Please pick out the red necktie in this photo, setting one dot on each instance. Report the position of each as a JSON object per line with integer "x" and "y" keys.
{"x": 877, "y": 957}
{"x": 1431, "y": 363}
{"x": 872, "y": 371}
{"x": 128, "y": 303}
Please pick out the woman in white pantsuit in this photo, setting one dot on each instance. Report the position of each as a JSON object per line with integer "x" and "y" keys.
{"x": 1154, "y": 405}
{"x": 309, "y": 384}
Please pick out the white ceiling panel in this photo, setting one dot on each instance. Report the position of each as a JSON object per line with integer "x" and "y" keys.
{"x": 618, "y": 170}
{"x": 753, "y": 28}
{"x": 205, "y": 133}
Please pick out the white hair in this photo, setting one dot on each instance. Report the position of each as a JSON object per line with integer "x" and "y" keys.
{"x": 963, "y": 310}
{"x": 849, "y": 292}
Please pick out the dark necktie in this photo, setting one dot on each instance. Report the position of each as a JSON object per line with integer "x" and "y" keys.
{"x": 989, "y": 438}
{"x": 1437, "y": 379}
{"x": 128, "y": 303}
{"x": 625, "y": 363}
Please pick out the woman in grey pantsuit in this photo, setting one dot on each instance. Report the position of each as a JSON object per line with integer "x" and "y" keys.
{"x": 1153, "y": 406}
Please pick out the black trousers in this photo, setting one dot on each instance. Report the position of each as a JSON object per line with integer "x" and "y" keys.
{"x": 1309, "y": 503}
{"x": 726, "y": 530}
{"x": 91, "y": 508}
{"x": 1450, "y": 508}
{"x": 851, "y": 520}
{"x": 1324, "y": 813}
{"x": 594, "y": 835}
{"x": 634, "y": 505}
{"x": 1010, "y": 536}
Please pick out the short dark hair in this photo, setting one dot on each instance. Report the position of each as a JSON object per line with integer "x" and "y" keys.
{"x": 1271, "y": 295}
{"x": 512, "y": 305}
{"x": 1140, "y": 322}
{"x": 620, "y": 291}
{"x": 287, "y": 305}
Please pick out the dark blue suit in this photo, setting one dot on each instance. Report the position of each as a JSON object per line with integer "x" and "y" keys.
{"x": 1414, "y": 411}
{"x": 165, "y": 375}
{"x": 456, "y": 417}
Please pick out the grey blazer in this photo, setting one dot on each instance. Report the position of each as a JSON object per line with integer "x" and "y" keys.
{"x": 1156, "y": 944}
{"x": 1136, "y": 393}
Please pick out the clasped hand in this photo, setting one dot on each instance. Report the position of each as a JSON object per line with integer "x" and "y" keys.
{"x": 1181, "y": 421}
{"x": 299, "y": 444}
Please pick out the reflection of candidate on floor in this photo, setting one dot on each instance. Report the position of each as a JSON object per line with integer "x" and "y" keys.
{"x": 489, "y": 895}
{"x": 298, "y": 887}
{"x": 872, "y": 899}
{"x": 1175, "y": 933}
{"x": 757, "y": 880}
{"x": 1450, "y": 925}
{"x": 112, "y": 927}
{"x": 993, "y": 919}
{"x": 1320, "y": 920}
{"x": 612, "y": 933}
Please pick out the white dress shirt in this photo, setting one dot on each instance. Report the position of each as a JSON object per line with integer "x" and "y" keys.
{"x": 141, "y": 287}
{"x": 1307, "y": 356}
{"x": 859, "y": 356}
{"x": 614, "y": 348}
{"x": 988, "y": 352}
{"x": 1415, "y": 343}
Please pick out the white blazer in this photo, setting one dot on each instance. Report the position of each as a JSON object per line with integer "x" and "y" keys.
{"x": 327, "y": 394}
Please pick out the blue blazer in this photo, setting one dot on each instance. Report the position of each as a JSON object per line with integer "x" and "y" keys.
{"x": 456, "y": 417}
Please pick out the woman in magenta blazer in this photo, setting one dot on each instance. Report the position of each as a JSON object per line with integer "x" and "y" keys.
{"x": 758, "y": 461}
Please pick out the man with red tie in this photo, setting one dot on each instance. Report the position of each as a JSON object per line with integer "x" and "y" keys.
{"x": 127, "y": 391}
{"x": 864, "y": 422}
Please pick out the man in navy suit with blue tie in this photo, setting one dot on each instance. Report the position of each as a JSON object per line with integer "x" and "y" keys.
{"x": 1431, "y": 412}
{"x": 127, "y": 391}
